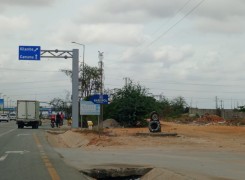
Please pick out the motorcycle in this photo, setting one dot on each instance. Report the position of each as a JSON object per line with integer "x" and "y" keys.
{"x": 52, "y": 124}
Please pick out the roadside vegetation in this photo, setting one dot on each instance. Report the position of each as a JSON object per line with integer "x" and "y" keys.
{"x": 132, "y": 104}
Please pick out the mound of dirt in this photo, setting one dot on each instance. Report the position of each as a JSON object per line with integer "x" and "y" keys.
{"x": 110, "y": 123}
{"x": 209, "y": 118}
{"x": 190, "y": 136}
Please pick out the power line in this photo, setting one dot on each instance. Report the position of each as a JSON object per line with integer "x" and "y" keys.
{"x": 177, "y": 12}
{"x": 171, "y": 27}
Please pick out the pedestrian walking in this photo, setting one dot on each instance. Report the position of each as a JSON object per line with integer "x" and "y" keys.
{"x": 62, "y": 118}
{"x": 58, "y": 119}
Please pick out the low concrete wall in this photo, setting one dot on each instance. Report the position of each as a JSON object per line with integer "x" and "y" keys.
{"x": 224, "y": 113}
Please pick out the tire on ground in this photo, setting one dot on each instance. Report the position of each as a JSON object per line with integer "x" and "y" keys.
{"x": 155, "y": 126}
{"x": 154, "y": 116}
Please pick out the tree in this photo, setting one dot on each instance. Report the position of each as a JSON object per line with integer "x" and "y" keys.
{"x": 89, "y": 78}
{"x": 240, "y": 109}
{"x": 178, "y": 106}
{"x": 163, "y": 107}
{"x": 61, "y": 105}
{"x": 130, "y": 105}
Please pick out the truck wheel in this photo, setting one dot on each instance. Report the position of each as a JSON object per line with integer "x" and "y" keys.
{"x": 155, "y": 126}
{"x": 35, "y": 125}
{"x": 154, "y": 116}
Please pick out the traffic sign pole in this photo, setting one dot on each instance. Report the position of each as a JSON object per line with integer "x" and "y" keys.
{"x": 75, "y": 65}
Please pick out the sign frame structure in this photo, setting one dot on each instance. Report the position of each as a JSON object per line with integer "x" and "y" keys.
{"x": 31, "y": 53}
{"x": 89, "y": 108}
{"x": 67, "y": 54}
{"x": 74, "y": 55}
{"x": 100, "y": 99}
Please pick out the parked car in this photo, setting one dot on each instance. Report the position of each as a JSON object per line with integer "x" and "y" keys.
{"x": 12, "y": 116}
{"x": 4, "y": 117}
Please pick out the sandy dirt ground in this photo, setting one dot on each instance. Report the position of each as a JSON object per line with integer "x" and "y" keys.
{"x": 190, "y": 138}
{"x": 208, "y": 137}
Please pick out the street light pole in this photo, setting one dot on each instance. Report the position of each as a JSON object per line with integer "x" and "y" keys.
{"x": 101, "y": 56}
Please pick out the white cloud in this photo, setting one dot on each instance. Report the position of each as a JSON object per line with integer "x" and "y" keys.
{"x": 117, "y": 34}
{"x": 127, "y": 11}
{"x": 170, "y": 55}
{"x": 221, "y": 10}
{"x": 13, "y": 23}
{"x": 230, "y": 25}
{"x": 26, "y": 2}
{"x": 211, "y": 16}
{"x": 205, "y": 47}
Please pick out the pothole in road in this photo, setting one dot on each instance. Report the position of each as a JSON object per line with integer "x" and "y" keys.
{"x": 117, "y": 172}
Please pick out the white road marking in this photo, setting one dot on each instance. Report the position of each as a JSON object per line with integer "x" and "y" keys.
{"x": 7, "y": 132}
{"x": 23, "y": 135}
{"x": 16, "y": 152}
{"x": 3, "y": 157}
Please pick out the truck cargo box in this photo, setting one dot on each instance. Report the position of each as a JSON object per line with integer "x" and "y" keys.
{"x": 27, "y": 113}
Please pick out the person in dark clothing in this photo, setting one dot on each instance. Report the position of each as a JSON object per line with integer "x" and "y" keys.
{"x": 58, "y": 119}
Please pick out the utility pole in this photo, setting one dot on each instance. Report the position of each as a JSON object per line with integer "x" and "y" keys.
{"x": 126, "y": 81}
{"x": 101, "y": 56}
{"x": 216, "y": 102}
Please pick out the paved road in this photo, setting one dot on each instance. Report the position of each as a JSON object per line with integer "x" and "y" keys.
{"x": 193, "y": 164}
{"x": 25, "y": 154}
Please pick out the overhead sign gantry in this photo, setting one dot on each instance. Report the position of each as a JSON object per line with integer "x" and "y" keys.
{"x": 35, "y": 53}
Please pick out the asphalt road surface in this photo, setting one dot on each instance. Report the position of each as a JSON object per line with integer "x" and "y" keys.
{"x": 25, "y": 154}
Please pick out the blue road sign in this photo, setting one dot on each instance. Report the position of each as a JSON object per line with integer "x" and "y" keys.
{"x": 99, "y": 99}
{"x": 32, "y": 53}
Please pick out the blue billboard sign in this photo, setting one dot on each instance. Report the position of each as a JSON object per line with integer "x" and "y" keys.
{"x": 99, "y": 99}
{"x": 32, "y": 53}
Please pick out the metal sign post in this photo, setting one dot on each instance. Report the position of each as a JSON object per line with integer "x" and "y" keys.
{"x": 75, "y": 66}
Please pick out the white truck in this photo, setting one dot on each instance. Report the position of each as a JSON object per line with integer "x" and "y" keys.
{"x": 27, "y": 114}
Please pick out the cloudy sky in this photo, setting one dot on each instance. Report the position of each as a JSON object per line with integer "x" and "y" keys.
{"x": 188, "y": 48}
